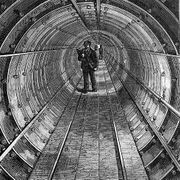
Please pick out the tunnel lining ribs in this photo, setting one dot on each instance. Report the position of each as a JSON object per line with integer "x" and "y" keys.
{"x": 134, "y": 96}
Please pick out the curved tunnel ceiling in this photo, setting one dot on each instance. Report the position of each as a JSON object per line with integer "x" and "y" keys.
{"x": 34, "y": 80}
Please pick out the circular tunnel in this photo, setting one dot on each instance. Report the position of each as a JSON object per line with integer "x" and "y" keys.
{"x": 60, "y": 66}
{"x": 134, "y": 103}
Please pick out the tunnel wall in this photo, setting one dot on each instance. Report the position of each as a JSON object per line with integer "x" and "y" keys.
{"x": 38, "y": 69}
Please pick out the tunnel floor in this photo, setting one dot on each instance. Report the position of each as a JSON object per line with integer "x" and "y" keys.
{"x": 92, "y": 139}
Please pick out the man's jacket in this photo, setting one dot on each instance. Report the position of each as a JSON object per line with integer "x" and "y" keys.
{"x": 89, "y": 61}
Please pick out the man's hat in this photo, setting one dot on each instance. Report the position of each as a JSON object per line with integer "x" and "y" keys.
{"x": 87, "y": 42}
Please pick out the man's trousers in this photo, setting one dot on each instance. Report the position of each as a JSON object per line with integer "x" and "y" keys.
{"x": 86, "y": 74}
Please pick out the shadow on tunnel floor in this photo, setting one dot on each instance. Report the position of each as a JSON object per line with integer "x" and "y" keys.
{"x": 82, "y": 90}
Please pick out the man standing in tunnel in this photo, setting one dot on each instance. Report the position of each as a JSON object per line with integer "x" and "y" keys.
{"x": 89, "y": 64}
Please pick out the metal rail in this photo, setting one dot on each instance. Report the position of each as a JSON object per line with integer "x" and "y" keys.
{"x": 60, "y": 118}
{"x": 84, "y": 119}
{"x": 124, "y": 173}
{"x": 118, "y": 99}
{"x": 28, "y": 52}
{"x": 153, "y": 52}
{"x": 146, "y": 51}
{"x": 176, "y": 112}
{"x": 63, "y": 143}
{"x": 151, "y": 125}
{"x": 10, "y": 147}
{"x": 68, "y": 47}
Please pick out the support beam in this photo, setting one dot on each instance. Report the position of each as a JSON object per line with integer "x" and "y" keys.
{"x": 22, "y": 133}
{"x": 179, "y": 22}
{"x": 28, "y": 52}
{"x": 98, "y": 7}
{"x": 157, "y": 96}
{"x": 81, "y": 17}
{"x": 154, "y": 53}
{"x": 79, "y": 12}
{"x": 151, "y": 125}
{"x": 179, "y": 10}
{"x": 10, "y": 147}
{"x": 68, "y": 47}
{"x": 148, "y": 51}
